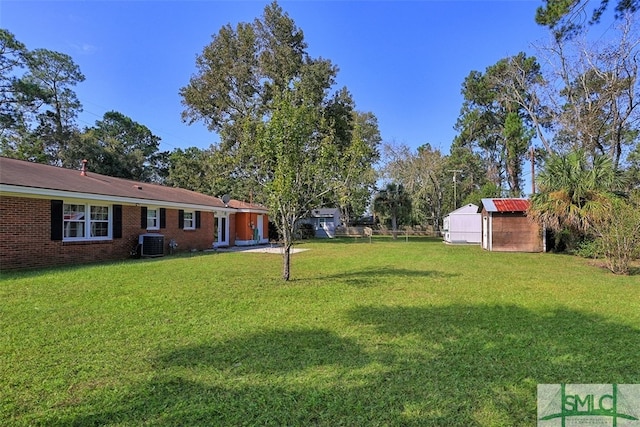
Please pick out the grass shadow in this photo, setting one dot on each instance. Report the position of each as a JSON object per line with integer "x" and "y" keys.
{"x": 269, "y": 352}
{"x": 481, "y": 363}
{"x": 460, "y": 365}
{"x": 381, "y": 276}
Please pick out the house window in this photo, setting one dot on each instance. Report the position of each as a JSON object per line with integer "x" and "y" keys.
{"x": 74, "y": 221}
{"x": 77, "y": 225}
{"x": 99, "y": 221}
{"x": 153, "y": 219}
{"x": 189, "y": 220}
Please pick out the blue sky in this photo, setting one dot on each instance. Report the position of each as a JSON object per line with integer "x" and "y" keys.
{"x": 403, "y": 61}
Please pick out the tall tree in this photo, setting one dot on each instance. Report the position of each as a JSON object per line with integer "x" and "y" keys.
{"x": 118, "y": 146}
{"x": 190, "y": 169}
{"x": 517, "y": 80}
{"x": 257, "y": 86}
{"x": 500, "y": 116}
{"x": 566, "y": 18}
{"x": 55, "y": 74}
{"x": 12, "y": 59}
{"x": 20, "y": 99}
{"x": 516, "y": 142}
{"x": 596, "y": 108}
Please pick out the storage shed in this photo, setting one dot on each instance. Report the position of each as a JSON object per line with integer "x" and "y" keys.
{"x": 464, "y": 225}
{"x": 505, "y": 226}
{"x": 324, "y": 221}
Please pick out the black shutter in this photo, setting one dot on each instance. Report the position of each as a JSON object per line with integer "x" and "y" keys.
{"x": 197, "y": 219}
{"x": 57, "y": 219}
{"x": 163, "y": 218}
{"x": 180, "y": 219}
{"x": 117, "y": 221}
{"x": 143, "y": 217}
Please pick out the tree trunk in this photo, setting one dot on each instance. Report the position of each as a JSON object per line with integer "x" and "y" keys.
{"x": 286, "y": 261}
{"x": 288, "y": 226}
{"x": 394, "y": 226}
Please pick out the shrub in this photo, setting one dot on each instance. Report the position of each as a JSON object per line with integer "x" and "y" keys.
{"x": 306, "y": 231}
{"x": 588, "y": 248}
{"x": 618, "y": 234}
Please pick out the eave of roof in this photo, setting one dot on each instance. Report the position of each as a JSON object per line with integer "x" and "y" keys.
{"x": 242, "y": 206}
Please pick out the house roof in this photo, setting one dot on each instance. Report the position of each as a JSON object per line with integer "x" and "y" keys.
{"x": 504, "y": 205}
{"x": 28, "y": 178}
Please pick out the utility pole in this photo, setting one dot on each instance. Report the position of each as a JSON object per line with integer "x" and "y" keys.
{"x": 455, "y": 196}
{"x": 533, "y": 171}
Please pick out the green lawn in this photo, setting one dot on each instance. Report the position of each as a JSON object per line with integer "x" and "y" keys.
{"x": 383, "y": 333}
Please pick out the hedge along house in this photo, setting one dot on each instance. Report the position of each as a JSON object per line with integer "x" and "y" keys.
{"x": 54, "y": 216}
{"x": 506, "y": 227}
{"x": 463, "y": 226}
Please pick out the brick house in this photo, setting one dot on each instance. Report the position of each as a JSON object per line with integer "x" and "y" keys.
{"x": 506, "y": 227}
{"x": 54, "y": 216}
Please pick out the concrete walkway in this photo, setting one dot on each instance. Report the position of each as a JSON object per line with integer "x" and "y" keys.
{"x": 263, "y": 249}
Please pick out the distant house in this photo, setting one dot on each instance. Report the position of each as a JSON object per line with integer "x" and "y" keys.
{"x": 464, "y": 225}
{"x": 324, "y": 221}
{"x": 505, "y": 226}
{"x": 55, "y": 216}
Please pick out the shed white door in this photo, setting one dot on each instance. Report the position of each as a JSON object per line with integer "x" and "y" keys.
{"x": 485, "y": 232}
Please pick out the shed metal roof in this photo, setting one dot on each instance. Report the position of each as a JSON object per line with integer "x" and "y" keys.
{"x": 505, "y": 205}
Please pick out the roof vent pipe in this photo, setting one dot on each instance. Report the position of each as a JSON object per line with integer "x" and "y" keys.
{"x": 83, "y": 171}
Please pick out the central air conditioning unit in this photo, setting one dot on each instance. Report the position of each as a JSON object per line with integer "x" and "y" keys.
{"x": 151, "y": 245}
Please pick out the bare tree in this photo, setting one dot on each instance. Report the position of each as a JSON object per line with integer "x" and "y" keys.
{"x": 592, "y": 92}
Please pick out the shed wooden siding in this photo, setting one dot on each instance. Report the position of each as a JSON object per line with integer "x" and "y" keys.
{"x": 26, "y": 236}
{"x": 512, "y": 232}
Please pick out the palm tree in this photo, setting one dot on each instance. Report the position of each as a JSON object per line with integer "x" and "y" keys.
{"x": 574, "y": 192}
{"x": 392, "y": 202}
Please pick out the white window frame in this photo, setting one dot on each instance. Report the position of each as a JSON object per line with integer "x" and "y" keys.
{"x": 87, "y": 221}
{"x": 189, "y": 223}
{"x": 153, "y": 222}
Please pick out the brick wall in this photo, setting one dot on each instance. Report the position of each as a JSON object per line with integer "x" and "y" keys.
{"x": 25, "y": 236}
{"x": 187, "y": 240}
